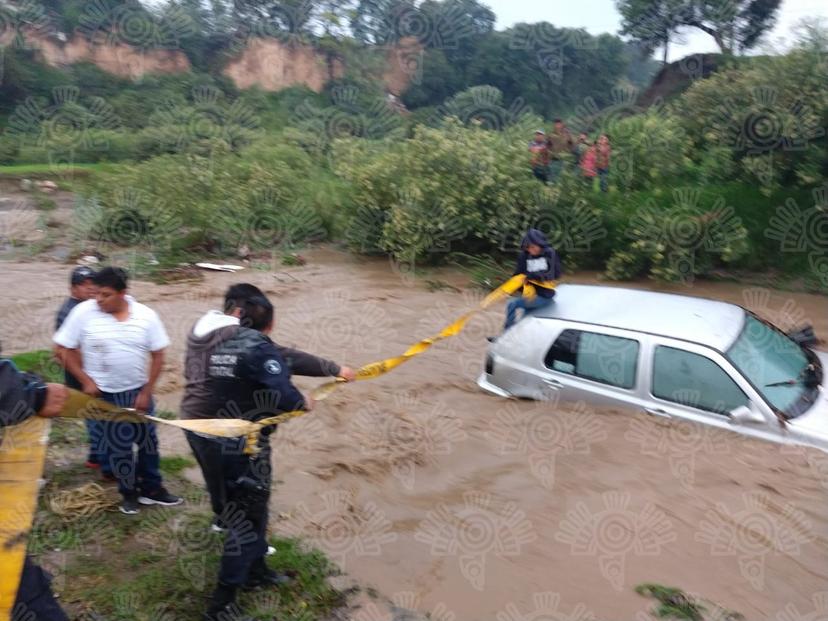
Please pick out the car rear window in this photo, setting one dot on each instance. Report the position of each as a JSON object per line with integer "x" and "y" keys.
{"x": 600, "y": 357}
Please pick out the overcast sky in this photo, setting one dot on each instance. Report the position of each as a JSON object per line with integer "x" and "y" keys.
{"x": 599, "y": 16}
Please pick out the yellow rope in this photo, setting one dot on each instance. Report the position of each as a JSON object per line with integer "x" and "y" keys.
{"x": 22, "y": 452}
{"x": 80, "y": 502}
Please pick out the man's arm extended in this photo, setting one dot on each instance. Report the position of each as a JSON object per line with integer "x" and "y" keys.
{"x": 23, "y": 395}
{"x": 144, "y": 398}
{"x": 303, "y": 363}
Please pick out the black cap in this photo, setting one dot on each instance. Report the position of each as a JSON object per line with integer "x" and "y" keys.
{"x": 80, "y": 274}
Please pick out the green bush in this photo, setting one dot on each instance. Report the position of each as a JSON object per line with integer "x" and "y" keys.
{"x": 678, "y": 238}
{"x": 443, "y": 187}
{"x": 272, "y": 195}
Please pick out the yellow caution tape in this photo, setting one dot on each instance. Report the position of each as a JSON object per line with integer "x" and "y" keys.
{"x": 22, "y": 455}
{"x": 23, "y": 448}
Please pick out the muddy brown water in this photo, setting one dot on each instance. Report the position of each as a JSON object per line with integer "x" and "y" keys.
{"x": 450, "y": 501}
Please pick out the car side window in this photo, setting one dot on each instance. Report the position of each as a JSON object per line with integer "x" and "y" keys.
{"x": 695, "y": 381}
{"x": 600, "y": 357}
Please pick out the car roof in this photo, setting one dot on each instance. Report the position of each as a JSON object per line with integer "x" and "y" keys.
{"x": 699, "y": 320}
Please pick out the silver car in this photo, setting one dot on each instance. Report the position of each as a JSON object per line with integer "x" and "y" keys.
{"x": 672, "y": 356}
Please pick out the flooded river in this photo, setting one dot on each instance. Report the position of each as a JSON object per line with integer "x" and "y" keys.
{"x": 458, "y": 504}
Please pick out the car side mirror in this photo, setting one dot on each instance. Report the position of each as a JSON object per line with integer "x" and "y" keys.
{"x": 744, "y": 415}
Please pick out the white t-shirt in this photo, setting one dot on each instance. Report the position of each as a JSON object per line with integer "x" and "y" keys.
{"x": 115, "y": 354}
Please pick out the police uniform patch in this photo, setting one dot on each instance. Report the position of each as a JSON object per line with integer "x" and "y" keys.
{"x": 273, "y": 367}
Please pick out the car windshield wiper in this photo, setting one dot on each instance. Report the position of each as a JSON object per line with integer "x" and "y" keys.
{"x": 808, "y": 370}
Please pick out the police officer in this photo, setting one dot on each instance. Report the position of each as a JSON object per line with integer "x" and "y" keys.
{"x": 198, "y": 402}
{"x": 245, "y": 376}
{"x": 21, "y": 397}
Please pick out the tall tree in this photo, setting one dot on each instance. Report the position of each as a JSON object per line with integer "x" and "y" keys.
{"x": 735, "y": 25}
{"x": 652, "y": 24}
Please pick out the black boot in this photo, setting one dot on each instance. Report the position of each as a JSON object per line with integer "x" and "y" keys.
{"x": 223, "y": 605}
{"x": 262, "y": 576}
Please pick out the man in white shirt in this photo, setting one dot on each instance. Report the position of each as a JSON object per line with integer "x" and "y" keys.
{"x": 107, "y": 344}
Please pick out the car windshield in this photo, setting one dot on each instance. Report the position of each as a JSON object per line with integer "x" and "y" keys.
{"x": 767, "y": 356}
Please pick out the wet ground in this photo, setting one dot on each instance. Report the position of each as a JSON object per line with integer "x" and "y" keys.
{"x": 450, "y": 501}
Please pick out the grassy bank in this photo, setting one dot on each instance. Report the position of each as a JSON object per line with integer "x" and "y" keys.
{"x": 163, "y": 562}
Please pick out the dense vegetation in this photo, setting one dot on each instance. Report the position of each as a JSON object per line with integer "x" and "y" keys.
{"x": 725, "y": 176}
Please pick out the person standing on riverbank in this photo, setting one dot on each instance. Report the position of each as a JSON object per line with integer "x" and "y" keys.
{"x": 81, "y": 288}
{"x": 602, "y": 160}
{"x": 108, "y": 343}
{"x": 208, "y": 333}
{"x": 560, "y": 145}
{"x": 539, "y": 158}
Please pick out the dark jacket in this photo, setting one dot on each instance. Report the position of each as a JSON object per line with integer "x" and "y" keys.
{"x": 63, "y": 312}
{"x": 21, "y": 394}
{"x": 247, "y": 377}
{"x": 199, "y": 400}
{"x": 545, "y": 267}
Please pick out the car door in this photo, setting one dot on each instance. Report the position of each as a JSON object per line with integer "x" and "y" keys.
{"x": 693, "y": 382}
{"x": 596, "y": 364}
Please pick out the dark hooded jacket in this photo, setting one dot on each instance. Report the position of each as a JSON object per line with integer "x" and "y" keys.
{"x": 544, "y": 267}
{"x": 21, "y": 394}
{"x": 212, "y": 381}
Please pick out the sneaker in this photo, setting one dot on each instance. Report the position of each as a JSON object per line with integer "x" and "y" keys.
{"x": 160, "y": 497}
{"x": 129, "y": 505}
{"x": 491, "y": 339}
{"x": 270, "y": 551}
{"x": 92, "y": 465}
{"x": 229, "y": 612}
{"x": 267, "y": 578}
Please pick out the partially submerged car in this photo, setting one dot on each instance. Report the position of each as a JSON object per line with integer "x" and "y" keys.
{"x": 671, "y": 356}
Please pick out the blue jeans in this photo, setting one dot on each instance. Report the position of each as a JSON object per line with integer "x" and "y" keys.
{"x": 527, "y": 305}
{"x": 603, "y": 173}
{"x": 134, "y": 473}
{"x": 97, "y": 453}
